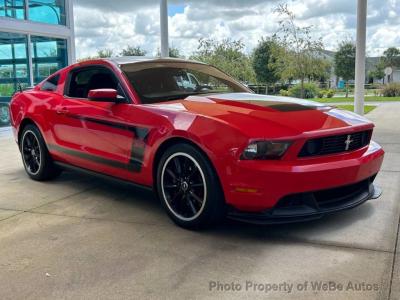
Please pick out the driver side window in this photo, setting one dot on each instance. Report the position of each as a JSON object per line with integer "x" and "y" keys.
{"x": 85, "y": 79}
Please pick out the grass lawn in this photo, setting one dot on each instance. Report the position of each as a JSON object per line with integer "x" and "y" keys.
{"x": 351, "y": 99}
{"x": 367, "y": 108}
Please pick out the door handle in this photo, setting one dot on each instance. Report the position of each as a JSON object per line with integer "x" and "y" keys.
{"x": 62, "y": 111}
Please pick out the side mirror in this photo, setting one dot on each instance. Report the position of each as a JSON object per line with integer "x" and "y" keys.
{"x": 104, "y": 95}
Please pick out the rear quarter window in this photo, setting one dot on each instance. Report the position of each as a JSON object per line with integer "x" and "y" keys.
{"x": 51, "y": 84}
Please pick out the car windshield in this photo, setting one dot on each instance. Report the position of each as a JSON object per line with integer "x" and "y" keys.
{"x": 164, "y": 81}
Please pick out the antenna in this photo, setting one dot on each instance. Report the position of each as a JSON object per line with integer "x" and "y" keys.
{"x": 19, "y": 87}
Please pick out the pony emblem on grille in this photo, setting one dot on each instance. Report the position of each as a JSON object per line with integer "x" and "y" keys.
{"x": 348, "y": 142}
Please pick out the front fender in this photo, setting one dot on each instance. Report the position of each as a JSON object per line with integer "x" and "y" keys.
{"x": 219, "y": 141}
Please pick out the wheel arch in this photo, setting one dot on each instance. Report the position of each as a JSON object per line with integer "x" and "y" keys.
{"x": 24, "y": 123}
{"x": 173, "y": 141}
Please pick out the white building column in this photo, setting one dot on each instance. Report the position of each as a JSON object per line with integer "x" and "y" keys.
{"x": 31, "y": 79}
{"x": 69, "y": 8}
{"x": 164, "y": 28}
{"x": 359, "y": 93}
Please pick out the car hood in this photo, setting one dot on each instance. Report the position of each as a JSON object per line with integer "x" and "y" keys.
{"x": 268, "y": 116}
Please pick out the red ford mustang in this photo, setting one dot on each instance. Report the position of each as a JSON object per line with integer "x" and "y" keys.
{"x": 206, "y": 144}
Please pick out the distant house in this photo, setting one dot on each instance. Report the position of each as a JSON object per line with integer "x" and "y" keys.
{"x": 330, "y": 56}
{"x": 396, "y": 75}
{"x": 371, "y": 63}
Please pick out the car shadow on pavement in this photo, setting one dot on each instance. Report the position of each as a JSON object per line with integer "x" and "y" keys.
{"x": 326, "y": 226}
{"x": 125, "y": 199}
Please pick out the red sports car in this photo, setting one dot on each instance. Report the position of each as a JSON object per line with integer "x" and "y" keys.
{"x": 203, "y": 142}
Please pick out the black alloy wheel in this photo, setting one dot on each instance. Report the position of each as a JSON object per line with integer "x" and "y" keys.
{"x": 31, "y": 152}
{"x": 35, "y": 156}
{"x": 189, "y": 188}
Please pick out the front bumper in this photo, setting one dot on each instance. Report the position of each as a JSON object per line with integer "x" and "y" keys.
{"x": 258, "y": 186}
{"x": 312, "y": 205}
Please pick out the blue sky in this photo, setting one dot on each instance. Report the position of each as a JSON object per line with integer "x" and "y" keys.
{"x": 174, "y": 9}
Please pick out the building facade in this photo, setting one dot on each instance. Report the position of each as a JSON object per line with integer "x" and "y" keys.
{"x": 36, "y": 39}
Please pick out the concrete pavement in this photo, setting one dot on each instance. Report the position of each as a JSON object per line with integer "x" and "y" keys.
{"x": 80, "y": 237}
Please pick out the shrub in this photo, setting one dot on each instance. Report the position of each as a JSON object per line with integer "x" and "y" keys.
{"x": 284, "y": 93}
{"x": 378, "y": 93}
{"x": 310, "y": 91}
{"x": 321, "y": 93}
{"x": 330, "y": 93}
{"x": 391, "y": 90}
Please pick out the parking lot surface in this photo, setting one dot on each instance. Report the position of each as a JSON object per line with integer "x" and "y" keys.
{"x": 81, "y": 237}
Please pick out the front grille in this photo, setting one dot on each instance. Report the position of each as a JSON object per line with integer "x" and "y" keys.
{"x": 327, "y": 199}
{"x": 336, "y": 144}
{"x": 336, "y": 196}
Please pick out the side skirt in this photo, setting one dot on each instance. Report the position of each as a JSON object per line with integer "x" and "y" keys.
{"x": 101, "y": 175}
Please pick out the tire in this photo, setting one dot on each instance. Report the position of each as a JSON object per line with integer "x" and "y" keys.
{"x": 189, "y": 189}
{"x": 36, "y": 158}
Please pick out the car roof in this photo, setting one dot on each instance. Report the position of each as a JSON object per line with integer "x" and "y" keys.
{"x": 124, "y": 60}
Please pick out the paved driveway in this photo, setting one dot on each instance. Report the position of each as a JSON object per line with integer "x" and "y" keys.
{"x": 83, "y": 237}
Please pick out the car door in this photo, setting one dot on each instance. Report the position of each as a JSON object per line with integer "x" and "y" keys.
{"x": 92, "y": 134}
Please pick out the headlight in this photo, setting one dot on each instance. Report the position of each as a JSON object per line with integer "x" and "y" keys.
{"x": 265, "y": 150}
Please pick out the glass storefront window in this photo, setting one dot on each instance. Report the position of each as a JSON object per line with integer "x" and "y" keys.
{"x": 45, "y": 48}
{"x": 13, "y": 63}
{"x": 12, "y": 8}
{"x": 46, "y": 69}
{"x": 47, "y": 11}
{"x": 20, "y": 50}
{"x": 21, "y": 71}
{"x": 6, "y": 72}
{"x": 14, "y": 69}
{"x": 5, "y": 51}
{"x": 44, "y": 11}
{"x": 48, "y": 56}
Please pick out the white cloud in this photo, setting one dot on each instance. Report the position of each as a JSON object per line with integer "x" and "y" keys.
{"x": 115, "y": 24}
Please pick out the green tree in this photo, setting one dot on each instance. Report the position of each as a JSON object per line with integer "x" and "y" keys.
{"x": 227, "y": 55}
{"x": 173, "y": 52}
{"x": 391, "y": 58}
{"x": 298, "y": 55}
{"x": 345, "y": 62}
{"x": 324, "y": 73}
{"x": 133, "y": 51}
{"x": 263, "y": 61}
{"x": 86, "y": 58}
{"x": 105, "y": 53}
{"x": 102, "y": 53}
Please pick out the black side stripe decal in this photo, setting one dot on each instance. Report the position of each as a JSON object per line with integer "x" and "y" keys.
{"x": 94, "y": 158}
{"x": 104, "y": 122}
{"x": 137, "y": 151}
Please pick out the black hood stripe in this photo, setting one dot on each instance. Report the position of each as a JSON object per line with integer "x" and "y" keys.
{"x": 282, "y": 104}
{"x": 283, "y": 107}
